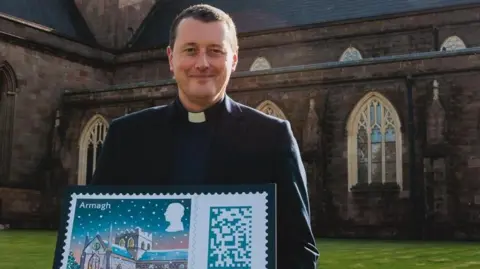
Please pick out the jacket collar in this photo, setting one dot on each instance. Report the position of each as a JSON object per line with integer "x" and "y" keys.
{"x": 226, "y": 106}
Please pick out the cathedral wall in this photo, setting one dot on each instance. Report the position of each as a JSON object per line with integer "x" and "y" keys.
{"x": 460, "y": 96}
{"x": 383, "y": 37}
{"x": 454, "y": 190}
{"x": 16, "y": 204}
{"x": 41, "y": 79}
{"x": 331, "y": 49}
{"x": 142, "y": 71}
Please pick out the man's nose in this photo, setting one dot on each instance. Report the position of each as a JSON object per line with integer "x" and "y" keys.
{"x": 202, "y": 61}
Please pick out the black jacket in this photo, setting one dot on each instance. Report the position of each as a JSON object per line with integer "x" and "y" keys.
{"x": 248, "y": 147}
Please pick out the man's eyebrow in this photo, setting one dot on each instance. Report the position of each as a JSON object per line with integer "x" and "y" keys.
{"x": 189, "y": 44}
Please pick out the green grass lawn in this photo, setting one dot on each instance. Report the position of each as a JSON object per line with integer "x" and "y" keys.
{"x": 21, "y": 249}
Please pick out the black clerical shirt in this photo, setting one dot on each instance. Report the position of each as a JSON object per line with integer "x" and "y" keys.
{"x": 192, "y": 144}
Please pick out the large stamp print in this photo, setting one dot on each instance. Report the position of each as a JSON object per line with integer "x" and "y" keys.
{"x": 201, "y": 227}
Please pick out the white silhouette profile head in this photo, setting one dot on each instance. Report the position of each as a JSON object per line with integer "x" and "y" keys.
{"x": 173, "y": 215}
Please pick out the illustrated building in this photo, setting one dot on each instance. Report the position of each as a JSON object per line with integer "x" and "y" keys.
{"x": 383, "y": 98}
{"x": 131, "y": 249}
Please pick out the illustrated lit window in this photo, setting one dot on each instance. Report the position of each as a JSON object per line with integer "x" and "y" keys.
{"x": 131, "y": 243}
{"x": 91, "y": 142}
{"x": 453, "y": 43}
{"x": 375, "y": 142}
{"x": 351, "y": 54}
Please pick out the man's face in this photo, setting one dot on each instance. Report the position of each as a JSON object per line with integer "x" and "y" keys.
{"x": 202, "y": 60}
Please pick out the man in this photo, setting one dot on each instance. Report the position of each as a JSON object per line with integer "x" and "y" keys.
{"x": 204, "y": 137}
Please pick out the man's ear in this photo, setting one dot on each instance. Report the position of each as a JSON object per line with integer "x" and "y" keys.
{"x": 235, "y": 60}
{"x": 170, "y": 56}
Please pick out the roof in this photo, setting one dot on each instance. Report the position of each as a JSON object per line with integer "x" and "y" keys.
{"x": 65, "y": 19}
{"x": 261, "y": 15}
{"x": 62, "y": 16}
{"x": 121, "y": 251}
{"x": 150, "y": 255}
{"x": 164, "y": 255}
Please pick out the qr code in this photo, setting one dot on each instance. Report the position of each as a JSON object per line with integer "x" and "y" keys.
{"x": 230, "y": 237}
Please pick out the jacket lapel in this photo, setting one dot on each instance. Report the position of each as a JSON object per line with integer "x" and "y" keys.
{"x": 161, "y": 149}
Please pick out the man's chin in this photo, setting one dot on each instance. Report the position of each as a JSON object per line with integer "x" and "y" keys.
{"x": 204, "y": 93}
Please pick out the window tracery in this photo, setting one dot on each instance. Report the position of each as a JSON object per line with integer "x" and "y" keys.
{"x": 374, "y": 142}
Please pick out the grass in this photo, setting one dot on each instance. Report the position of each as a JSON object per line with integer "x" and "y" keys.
{"x": 30, "y": 249}
{"x": 336, "y": 254}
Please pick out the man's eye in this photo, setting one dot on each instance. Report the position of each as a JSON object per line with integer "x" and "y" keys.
{"x": 217, "y": 51}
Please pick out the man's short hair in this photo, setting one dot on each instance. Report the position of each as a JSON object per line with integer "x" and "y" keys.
{"x": 205, "y": 13}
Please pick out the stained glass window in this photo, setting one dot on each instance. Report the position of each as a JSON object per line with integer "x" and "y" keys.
{"x": 377, "y": 141}
{"x": 351, "y": 54}
{"x": 270, "y": 108}
{"x": 453, "y": 43}
{"x": 260, "y": 63}
{"x": 91, "y": 143}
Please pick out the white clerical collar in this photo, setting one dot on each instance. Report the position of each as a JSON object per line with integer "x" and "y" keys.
{"x": 196, "y": 117}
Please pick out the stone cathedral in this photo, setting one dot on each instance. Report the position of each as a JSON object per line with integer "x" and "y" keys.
{"x": 383, "y": 98}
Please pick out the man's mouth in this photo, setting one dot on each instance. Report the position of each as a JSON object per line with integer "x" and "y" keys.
{"x": 202, "y": 76}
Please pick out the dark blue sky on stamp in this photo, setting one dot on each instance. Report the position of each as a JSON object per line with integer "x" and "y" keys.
{"x": 100, "y": 216}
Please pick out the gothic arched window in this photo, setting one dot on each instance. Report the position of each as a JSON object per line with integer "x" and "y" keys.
{"x": 94, "y": 262}
{"x": 452, "y": 43}
{"x": 351, "y": 54}
{"x": 374, "y": 142}
{"x": 131, "y": 243}
{"x": 90, "y": 146}
{"x": 8, "y": 87}
{"x": 260, "y": 63}
{"x": 269, "y": 108}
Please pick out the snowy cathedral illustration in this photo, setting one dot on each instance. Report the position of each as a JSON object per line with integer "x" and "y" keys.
{"x": 131, "y": 249}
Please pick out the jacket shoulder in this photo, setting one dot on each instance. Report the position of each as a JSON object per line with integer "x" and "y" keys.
{"x": 258, "y": 117}
{"x": 141, "y": 118}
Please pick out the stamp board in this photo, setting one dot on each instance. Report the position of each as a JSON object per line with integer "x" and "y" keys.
{"x": 201, "y": 227}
